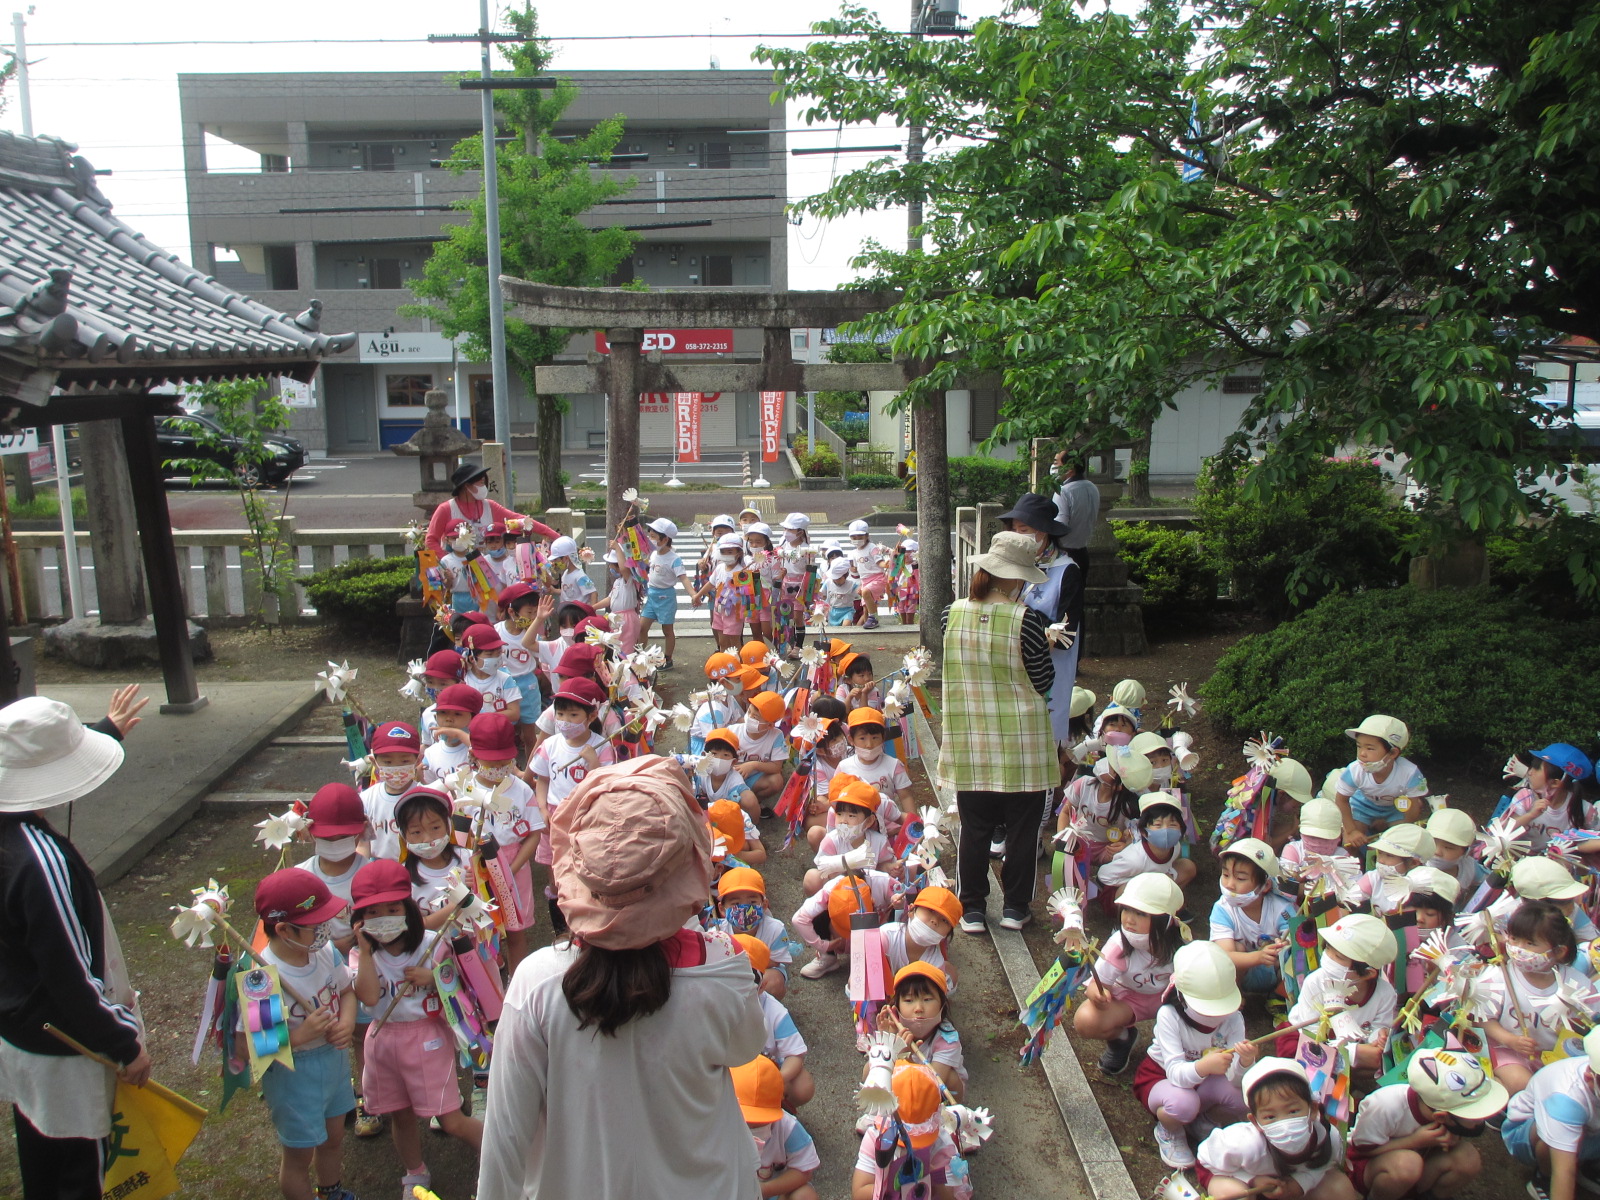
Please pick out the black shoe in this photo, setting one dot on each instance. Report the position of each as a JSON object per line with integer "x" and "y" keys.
{"x": 767, "y": 813}
{"x": 1119, "y": 1052}
{"x": 1015, "y": 918}
{"x": 974, "y": 921}
{"x": 667, "y": 666}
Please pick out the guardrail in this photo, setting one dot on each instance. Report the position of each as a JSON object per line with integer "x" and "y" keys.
{"x": 219, "y": 586}
{"x": 974, "y": 526}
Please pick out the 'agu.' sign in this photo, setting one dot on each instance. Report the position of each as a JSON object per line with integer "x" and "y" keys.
{"x": 676, "y": 341}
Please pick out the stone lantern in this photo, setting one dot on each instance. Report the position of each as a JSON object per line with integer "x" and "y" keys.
{"x": 438, "y": 446}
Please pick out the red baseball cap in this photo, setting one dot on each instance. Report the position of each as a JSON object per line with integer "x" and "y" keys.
{"x": 379, "y": 882}
{"x": 579, "y": 660}
{"x": 459, "y": 697}
{"x": 588, "y": 623}
{"x": 297, "y": 897}
{"x": 494, "y": 529}
{"x": 396, "y": 737}
{"x": 481, "y": 637}
{"x": 492, "y": 736}
{"x": 422, "y": 793}
{"x": 443, "y": 664}
{"x": 336, "y": 811}
{"x": 474, "y": 617}
{"x": 585, "y": 691}
{"x": 582, "y": 606}
{"x": 514, "y": 592}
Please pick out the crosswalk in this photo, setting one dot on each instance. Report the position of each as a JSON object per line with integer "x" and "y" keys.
{"x": 691, "y": 545}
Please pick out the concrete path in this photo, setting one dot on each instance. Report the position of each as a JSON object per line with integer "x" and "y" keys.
{"x": 172, "y": 763}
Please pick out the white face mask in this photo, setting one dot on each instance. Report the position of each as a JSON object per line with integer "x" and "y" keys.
{"x": 869, "y": 756}
{"x": 494, "y": 774}
{"x": 849, "y": 835}
{"x": 334, "y": 849}
{"x": 1291, "y": 1135}
{"x": 488, "y": 663}
{"x": 730, "y": 556}
{"x": 755, "y": 728}
{"x": 478, "y": 491}
{"x": 384, "y": 929}
{"x": 1238, "y": 899}
{"x": 717, "y": 767}
{"x": 923, "y": 934}
{"x": 920, "y": 1027}
{"x": 568, "y": 634}
{"x": 1335, "y": 970}
{"x": 1160, "y": 777}
{"x": 792, "y": 536}
{"x": 1446, "y": 865}
{"x": 396, "y": 778}
{"x": 762, "y": 1135}
{"x": 431, "y": 849}
{"x": 1139, "y": 941}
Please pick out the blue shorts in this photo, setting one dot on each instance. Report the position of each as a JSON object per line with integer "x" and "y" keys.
{"x": 304, "y": 1100}
{"x": 841, "y": 616}
{"x": 462, "y": 602}
{"x": 1367, "y": 812}
{"x": 532, "y": 697}
{"x": 1518, "y": 1137}
{"x": 660, "y": 605}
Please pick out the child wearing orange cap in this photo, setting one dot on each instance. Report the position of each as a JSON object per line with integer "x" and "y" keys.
{"x": 786, "y": 1157}
{"x": 920, "y": 1005}
{"x": 823, "y": 921}
{"x": 784, "y": 1046}
{"x": 856, "y": 688}
{"x": 831, "y": 749}
{"x": 888, "y": 811}
{"x": 717, "y": 712}
{"x": 762, "y": 752}
{"x": 914, "y": 1129}
{"x": 740, "y": 838}
{"x": 922, "y": 936}
{"x": 741, "y": 907}
{"x": 712, "y": 773}
{"x": 870, "y": 761}
{"x": 854, "y": 843}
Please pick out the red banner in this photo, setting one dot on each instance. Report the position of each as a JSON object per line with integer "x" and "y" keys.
{"x": 771, "y": 425}
{"x": 676, "y": 341}
{"x": 686, "y": 426}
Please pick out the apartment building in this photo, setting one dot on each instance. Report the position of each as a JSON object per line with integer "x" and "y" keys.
{"x": 344, "y": 198}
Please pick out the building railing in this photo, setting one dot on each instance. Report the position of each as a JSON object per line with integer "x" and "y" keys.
{"x": 220, "y": 585}
{"x": 974, "y": 526}
{"x": 825, "y": 436}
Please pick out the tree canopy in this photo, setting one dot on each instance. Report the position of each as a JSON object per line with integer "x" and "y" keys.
{"x": 1382, "y": 206}
{"x": 545, "y": 186}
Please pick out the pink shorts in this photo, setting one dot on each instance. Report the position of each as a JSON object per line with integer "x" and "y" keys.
{"x": 1144, "y": 1004}
{"x": 875, "y": 586}
{"x": 630, "y": 628}
{"x": 411, "y": 1064}
{"x": 1502, "y": 1056}
{"x": 727, "y": 624}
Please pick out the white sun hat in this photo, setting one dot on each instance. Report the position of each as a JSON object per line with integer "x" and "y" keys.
{"x": 47, "y": 757}
{"x": 1434, "y": 882}
{"x": 1256, "y": 851}
{"x": 1321, "y": 818}
{"x": 563, "y": 547}
{"x": 1407, "y": 839}
{"x": 1292, "y": 779}
{"x": 1207, "y": 978}
{"x": 1082, "y": 701}
{"x": 1129, "y": 693}
{"x": 1271, "y": 1066}
{"x": 859, "y": 528}
{"x": 1153, "y": 893}
{"x": 1148, "y": 742}
{"x": 1544, "y": 879}
{"x": 664, "y": 527}
{"x": 1362, "y": 938}
{"x": 796, "y": 520}
{"x": 1390, "y": 730}
{"x": 722, "y": 519}
{"x": 1454, "y": 826}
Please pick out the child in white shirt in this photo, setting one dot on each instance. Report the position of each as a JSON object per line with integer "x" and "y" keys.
{"x": 451, "y": 746}
{"x": 854, "y": 843}
{"x": 1380, "y": 788}
{"x": 1250, "y": 919}
{"x": 480, "y": 651}
{"x": 1355, "y": 949}
{"x": 575, "y": 582}
{"x": 622, "y": 602}
{"x": 869, "y": 760}
{"x": 1540, "y": 950}
{"x": 396, "y": 754}
{"x": 1287, "y": 1137}
{"x": 839, "y": 593}
{"x": 661, "y": 586}
{"x": 1156, "y": 848}
{"x": 785, "y": 1046}
{"x": 510, "y": 820}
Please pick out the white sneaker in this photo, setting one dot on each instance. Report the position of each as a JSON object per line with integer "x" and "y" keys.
{"x": 1174, "y": 1148}
{"x": 825, "y": 963}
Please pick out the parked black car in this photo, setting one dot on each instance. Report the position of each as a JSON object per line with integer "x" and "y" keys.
{"x": 176, "y": 438}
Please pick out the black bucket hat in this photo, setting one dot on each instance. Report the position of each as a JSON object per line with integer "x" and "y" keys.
{"x": 1037, "y": 512}
{"x": 467, "y": 473}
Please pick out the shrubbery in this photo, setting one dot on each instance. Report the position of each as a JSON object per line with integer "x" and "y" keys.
{"x": 986, "y": 480}
{"x": 1173, "y": 568}
{"x": 1468, "y": 671}
{"x": 868, "y": 481}
{"x": 1341, "y": 530}
{"x": 361, "y": 594}
{"x": 821, "y": 463}
{"x": 1536, "y": 563}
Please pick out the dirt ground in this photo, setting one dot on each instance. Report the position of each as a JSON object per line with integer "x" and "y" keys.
{"x": 235, "y": 1156}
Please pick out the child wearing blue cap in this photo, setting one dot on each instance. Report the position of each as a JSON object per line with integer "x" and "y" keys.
{"x": 1552, "y": 800}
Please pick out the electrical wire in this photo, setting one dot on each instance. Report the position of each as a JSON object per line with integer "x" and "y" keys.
{"x": 423, "y": 41}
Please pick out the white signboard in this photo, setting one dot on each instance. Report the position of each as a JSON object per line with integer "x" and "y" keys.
{"x": 24, "y": 442}
{"x": 403, "y": 347}
{"x": 295, "y": 394}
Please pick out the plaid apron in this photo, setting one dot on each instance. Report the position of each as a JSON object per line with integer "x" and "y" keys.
{"x": 996, "y": 727}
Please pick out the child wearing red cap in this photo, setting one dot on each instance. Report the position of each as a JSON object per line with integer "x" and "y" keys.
{"x": 308, "y": 1103}
{"x": 453, "y": 712}
{"x": 510, "y": 823}
{"x": 410, "y": 1062}
{"x": 443, "y": 668}
{"x": 585, "y": 662}
{"x": 565, "y": 759}
{"x": 396, "y": 754}
{"x": 432, "y": 855}
{"x": 480, "y": 650}
{"x": 519, "y": 633}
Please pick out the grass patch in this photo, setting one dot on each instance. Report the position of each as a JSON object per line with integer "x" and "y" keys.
{"x": 45, "y": 506}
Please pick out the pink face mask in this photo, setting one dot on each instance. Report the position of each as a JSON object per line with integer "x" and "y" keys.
{"x": 1321, "y": 845}
{"x": 1115, "y": 737}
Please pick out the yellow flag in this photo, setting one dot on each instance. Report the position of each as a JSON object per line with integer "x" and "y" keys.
{"x": 151, "y": 1128}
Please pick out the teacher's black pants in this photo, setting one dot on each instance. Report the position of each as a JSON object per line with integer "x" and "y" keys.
{"x": 981, "y": 813}
{"x": 57, "y": 1168}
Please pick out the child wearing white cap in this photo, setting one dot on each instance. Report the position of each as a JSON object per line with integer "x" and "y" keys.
{"x": 799, "y": 560}
{"x": 866, "y": 560}
{"x": 1350, "y": 984}
{"x": 720, "y": 525}
{"x": 1250, "y": 918}
{"x": 622, "y": 602}
{"x": 1379, "y": 788}
{"x": 764, "y": 561}
{"x": 575, "y": 582}
{"x": 1155, "y": 847}
{"x": 727, "y": 617}
{"x": 1545, "y": 879}
{"x": 1454, "y": 833}
{"x": 840, "y": 592}
{"x": 1133, "y": 970}
{"x": 1102, "y": 805}
{"x": 661, "y": 586}
{"x": 1553, "y": 1125}
{"x": 1321, "y": 827}
{"x": 1285, "y": 1138}
{"x": 1399, "y": 850}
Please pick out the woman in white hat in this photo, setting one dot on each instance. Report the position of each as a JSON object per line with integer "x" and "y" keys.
{"x": 60, "y": 962}
{"x": 997, "y": 675}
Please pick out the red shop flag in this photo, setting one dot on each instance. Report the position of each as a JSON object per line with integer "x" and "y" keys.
{"x": 771, "y": 425}
{"x": 686, "y": 426}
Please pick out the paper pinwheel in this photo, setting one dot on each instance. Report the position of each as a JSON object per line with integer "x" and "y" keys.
{"x": 1572, "y": 1003}
{"x": 478, "y": 911}
{"x": 1066, "y": 905}
{"x": 808, "y": 729}
{"x": 596, "y": 636}
{"x": 933, "y": 834}
{"x": 1060, "y": 635}
{"x": 1181, "y": 702}
{"x": 1503, "y": 844}
{"x": 969, "y": 1127}
{"x": 1259, "y": 752}
{"x": 682, "y": 717}
{"x": 1437, "y": 952}
{"x": 631, "y": 496}
{"x": 415, "y": 536}
{"x": 876, "y": 1096}
{"x": 335, "y": 681}
{"x": 918, "y": 666}
{"x": 1330, "y": 874}
{"x": 812, "y": 656}
{"x": 193, "y": 926}
{"x": 277, "y": 832}
{"x": 1476, "y": 929}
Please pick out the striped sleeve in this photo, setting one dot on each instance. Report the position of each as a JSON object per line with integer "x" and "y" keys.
{"x": 1036, "y": 652}
{"x": 64, "y": 951}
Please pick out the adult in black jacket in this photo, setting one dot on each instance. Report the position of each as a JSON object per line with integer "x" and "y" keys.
{"x": 59, "y": 958}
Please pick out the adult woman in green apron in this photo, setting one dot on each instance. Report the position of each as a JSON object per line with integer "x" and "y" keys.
{"x": 998, "y": 751}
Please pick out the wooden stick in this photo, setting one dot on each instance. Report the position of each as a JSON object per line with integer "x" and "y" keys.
{"x": 1277, "y": 1033}
{"x": 427, "y": 954}
{"x": 243, "y": 945}
{"x": 911, "y": 1044}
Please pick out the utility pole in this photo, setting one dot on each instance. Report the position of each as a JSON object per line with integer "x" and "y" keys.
{"x": 491, "y": 204}
{"x": 58, "y": 434}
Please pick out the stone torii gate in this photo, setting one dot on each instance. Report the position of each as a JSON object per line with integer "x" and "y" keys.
{"x": 626, "y": 314}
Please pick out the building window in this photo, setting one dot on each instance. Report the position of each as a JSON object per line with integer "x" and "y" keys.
{"x": 717, "y": 156}
{"x": 1242, "y": 385}
{"x": 407, "y": 391}
{"x": 719, "y": 270}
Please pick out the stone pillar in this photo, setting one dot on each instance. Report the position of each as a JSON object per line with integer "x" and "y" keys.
{"x": 1113, "y": 621}
{"x": 930, "y": 425}
{"x": 113, "y": 535}
{"x": 622, "y": 420}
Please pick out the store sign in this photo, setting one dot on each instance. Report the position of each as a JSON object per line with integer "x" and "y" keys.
{"x": 403, "y": 347}
{"x": 676, "y": 341}
{"x": 686, "y": 426}
{"x": 296, "y": 394}
{"x": 24, "y": 441}
{"x": 771, "y": 425}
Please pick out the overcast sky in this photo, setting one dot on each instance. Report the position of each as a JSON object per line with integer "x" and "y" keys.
{"x": 119, "y": 102}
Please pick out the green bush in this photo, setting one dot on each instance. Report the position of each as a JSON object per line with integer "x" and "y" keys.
{"x": 986, "y": 480}
{"x": 821, "y": 463}
{"x": 1536, "y": 563}
{"x": 873, "y": 482}
{"x": 1341, "y": 529}
{"x": 361, "y": 594}
{"x": 1173, "y": 568}
{"x": 851, "y": 429}
{"x": 1469, "y": 671}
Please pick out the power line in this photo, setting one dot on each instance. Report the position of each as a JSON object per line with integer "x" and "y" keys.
{"x": 423, "y": 41}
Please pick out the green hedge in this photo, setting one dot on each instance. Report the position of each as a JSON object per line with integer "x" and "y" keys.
{"x": 1536, "y": 564}
{"x": 1173, "y": 568}
{"x": 1469, "y": 671}
{"x": 986, "y": 481}
{"x": 821, "y": 463}
{"x": 361, "y": 594}
{"x": 1341, "y": 530}
{"x": 873, "y": 482}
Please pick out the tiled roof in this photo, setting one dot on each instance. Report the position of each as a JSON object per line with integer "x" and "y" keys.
{"x": 130, "y": 313}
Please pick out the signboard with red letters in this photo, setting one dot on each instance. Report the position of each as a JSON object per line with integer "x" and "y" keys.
{"x": 686, "y": 426}
{"x": 771, "y": 425}
{"x": 676, "y": 341}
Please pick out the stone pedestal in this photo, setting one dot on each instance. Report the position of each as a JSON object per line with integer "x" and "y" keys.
{"x": 438, "y": 446}
{"x": 89, "y": 643}
{"x": 1113, "y": 621}
{"x": 416, "y": 628}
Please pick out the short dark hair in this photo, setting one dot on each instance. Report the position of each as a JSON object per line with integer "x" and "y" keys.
{"x": 829, "y": 708}
{"x": 415, "y": 930}
{"x": 1256, "y": 872}
{"x": 860, "y": 663}
{"x": 569, "y": 614}
{"x": 1539, "y": 920}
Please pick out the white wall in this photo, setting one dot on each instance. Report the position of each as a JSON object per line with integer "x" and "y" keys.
{"x": 1183, "y": 438}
